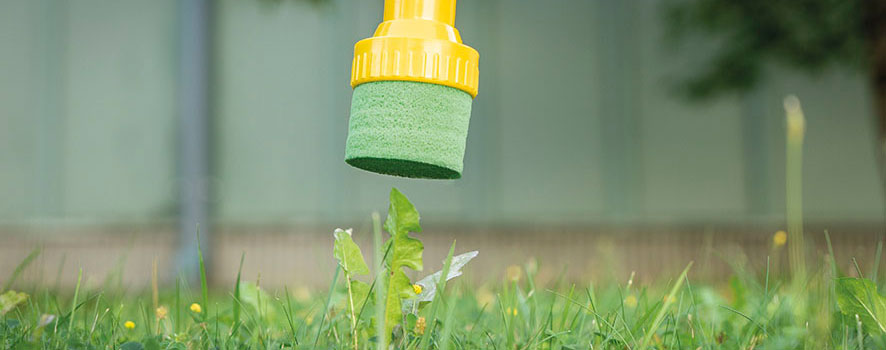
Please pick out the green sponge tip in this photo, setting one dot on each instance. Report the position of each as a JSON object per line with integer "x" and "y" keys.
{"x": 408, "y": 129}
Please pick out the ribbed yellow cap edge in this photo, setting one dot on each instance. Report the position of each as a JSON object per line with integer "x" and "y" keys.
{"x": 409, "y": 46}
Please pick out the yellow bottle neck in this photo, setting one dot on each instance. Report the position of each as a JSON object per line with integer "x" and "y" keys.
{"x": 433, "y": 10}
{"x": 422, "y": 19}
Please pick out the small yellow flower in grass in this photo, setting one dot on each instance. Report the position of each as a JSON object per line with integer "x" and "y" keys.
{"x": 779, "y": 238}
{"x": 161, "y": 312}
{"x": 196, "y": 308}
{"x": 129, "y": 325}
{"x": 511, "y": 311}
{"x": 420, "y": 325}
{"x": 416, "y": 288}
{"x": 631, "y": 301}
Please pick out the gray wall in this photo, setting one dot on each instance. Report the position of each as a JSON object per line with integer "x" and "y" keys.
{"x": 576, "y": 121}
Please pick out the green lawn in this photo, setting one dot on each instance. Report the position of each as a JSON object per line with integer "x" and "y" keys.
{"x": 809, "y": 308}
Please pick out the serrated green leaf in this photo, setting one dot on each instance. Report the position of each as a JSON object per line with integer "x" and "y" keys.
{"x": 399, "y": 288}
{"x": 348, "y": 253}
{"x": 859, "y": 296}
{"x": 402, "y": 216}
{"x": 402, "y": 219}
{"x": 405, "y": 252}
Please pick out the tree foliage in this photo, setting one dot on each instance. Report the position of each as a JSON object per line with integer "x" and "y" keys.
{"x": 806, "y": 35}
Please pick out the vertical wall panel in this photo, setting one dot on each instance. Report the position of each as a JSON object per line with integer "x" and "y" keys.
{"x": 692, "y": 153}
{"x": 550, "y": 154}
{"x": 119, "y": 90}
{"x": 87, "y": 110}
{"x": 19, "y": 72}
{"x": 273, "y": 110}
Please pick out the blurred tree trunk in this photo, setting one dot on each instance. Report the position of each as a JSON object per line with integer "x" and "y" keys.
{"x": 875, "y": 30}
{"x": 875, "y": 35}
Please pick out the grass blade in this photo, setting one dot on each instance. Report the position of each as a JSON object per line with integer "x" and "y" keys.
{"x": 379, "y": 259}
{"x": 287, "y": 310}
{"x": 178, "y": 306}
{"x": 203, "y": 285}
{"x": 21, "y": 267}
{"x": 447, "y": 328}
{"x": 235, "y": 308}
{"x": 328, "y": 302}
{"x": 664, "y": 308}
{"x": 441, "y": 289}
{"x": 74, "y": 303}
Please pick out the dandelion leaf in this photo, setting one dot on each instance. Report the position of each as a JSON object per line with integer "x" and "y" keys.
{"x": 402, "y": 216}
{"x": 405, "y": 252}
{"x": 360, "y": 292}
{"x": 348, "y": 253}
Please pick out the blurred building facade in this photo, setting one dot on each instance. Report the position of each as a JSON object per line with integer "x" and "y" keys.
{"x": 576, "y": 123}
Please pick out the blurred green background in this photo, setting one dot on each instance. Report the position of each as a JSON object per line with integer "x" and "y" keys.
{"x": 579, "y": 122}
{"x": 576, "y": 121}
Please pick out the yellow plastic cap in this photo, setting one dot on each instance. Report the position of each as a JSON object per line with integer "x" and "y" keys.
{"x": 417, "y": 42}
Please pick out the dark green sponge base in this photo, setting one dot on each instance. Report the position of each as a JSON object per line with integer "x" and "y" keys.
{"x": 404, "y": 168}
{"x": 408, "y": 129}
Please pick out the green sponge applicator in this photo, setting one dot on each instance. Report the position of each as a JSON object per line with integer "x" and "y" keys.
{"x": 414, "y": 82}
{"x": 408, "y": 129}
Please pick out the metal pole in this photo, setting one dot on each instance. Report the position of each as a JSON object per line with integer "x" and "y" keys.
{"x": 193, "y": 111}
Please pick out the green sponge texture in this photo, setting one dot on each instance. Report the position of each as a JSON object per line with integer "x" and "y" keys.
{"x": 408, "y": 129}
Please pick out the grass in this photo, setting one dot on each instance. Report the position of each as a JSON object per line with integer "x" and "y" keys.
{"x": 813, "y": 306}
{"x": 755, "y": 310}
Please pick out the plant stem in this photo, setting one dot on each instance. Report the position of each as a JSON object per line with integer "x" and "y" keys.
{"x": 796, "y": 129}
{"x": 380, "y": 283}
{"x": 351, "y": 304}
